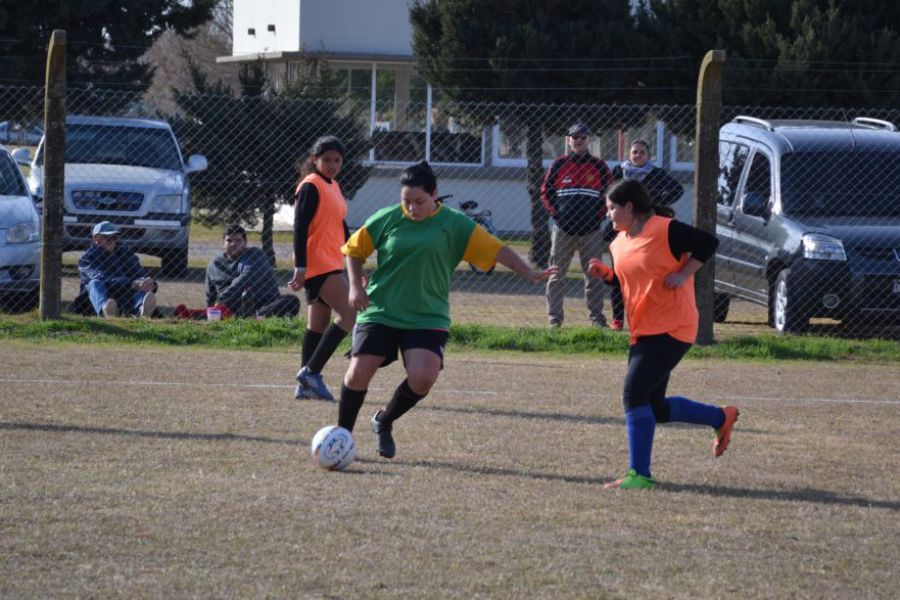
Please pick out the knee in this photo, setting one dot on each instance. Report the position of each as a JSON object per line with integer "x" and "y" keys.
{"x": 357, "y": 378}
{"x": 421, "y": 382}
{"x": 661, "y": 411}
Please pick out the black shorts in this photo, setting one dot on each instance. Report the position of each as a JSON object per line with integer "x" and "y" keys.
{"x": 383, "y": 340}
{"x": 313, "y": 286}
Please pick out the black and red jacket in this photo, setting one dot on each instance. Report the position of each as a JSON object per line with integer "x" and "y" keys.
{"x": 573, "y": 192}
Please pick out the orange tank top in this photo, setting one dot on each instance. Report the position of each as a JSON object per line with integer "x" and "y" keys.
{"x": 326, "y": 232}
{"x": 642, "y": 264}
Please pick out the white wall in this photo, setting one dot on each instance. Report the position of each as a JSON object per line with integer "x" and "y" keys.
{"x": 507, "y": 199}
{"x": 259, "y": 14}
{"x": 378, "y": 27}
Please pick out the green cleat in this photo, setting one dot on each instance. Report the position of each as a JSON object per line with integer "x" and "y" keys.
{"x": 632, "y": 481}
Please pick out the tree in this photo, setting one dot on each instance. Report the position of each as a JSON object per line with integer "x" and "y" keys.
{"x": 254, "y": 140}
{"x": 520, "y": 54}
{"x": 781, "y": 53}
{"x": 106, "y": 38}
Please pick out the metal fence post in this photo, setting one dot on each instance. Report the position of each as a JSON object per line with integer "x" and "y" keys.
{"x": 54, "y": 177}
{"x": 709, "y": 109}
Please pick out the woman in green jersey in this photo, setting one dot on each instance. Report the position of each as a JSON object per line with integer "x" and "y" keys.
{"x": 405, "y": 305}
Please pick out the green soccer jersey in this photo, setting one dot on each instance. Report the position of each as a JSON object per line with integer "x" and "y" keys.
{"x": 410, "y": 288}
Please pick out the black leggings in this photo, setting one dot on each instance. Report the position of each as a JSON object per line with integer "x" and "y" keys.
{"x": 650, "y": 362}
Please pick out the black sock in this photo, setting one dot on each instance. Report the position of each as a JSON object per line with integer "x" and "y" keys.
{"x": 311, "y": 340}
{"x": 403, "y": 400}
{"x": 331, "y": 339}
{"x": 348, "y": 408}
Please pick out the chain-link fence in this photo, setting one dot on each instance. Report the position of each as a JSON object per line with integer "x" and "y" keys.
{"x": 808, "y": 216}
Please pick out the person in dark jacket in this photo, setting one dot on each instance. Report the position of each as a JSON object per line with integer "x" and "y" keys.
{"x": 112, "y": 277}
{"x": 664, "y": 190}
{"x": 573, "y": 195}
{"x": 241, "y": 278}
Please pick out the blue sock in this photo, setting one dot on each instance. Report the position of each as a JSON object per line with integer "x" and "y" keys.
{"x": 641, "y": 425}
{"x": 687, "y": 411}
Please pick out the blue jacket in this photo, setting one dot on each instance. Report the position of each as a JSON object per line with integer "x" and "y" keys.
{"x": 117, "y": 269}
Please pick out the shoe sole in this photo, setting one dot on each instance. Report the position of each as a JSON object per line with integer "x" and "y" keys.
{"x": 149, "y": 305}
{"x": 723, "y": 434}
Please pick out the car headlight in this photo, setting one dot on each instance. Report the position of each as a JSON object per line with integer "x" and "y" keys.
{"x": 22, "y": 233}
{"x": 166, "y": 204}
{"x": 823, "y": 247}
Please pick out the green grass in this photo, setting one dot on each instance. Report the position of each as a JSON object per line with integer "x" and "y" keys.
{"x": 277, "y": 333}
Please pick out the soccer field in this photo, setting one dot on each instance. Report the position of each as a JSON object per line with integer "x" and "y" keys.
{"x": 159, "y": 472}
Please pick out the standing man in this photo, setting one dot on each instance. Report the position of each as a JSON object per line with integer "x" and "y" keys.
{"x": 113, "y": 278}
{"x": 573, "y": 195}
{"x": 242, "y": 279}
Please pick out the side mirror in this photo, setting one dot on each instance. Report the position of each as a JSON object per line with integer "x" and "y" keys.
{"x": 755, "y": 204}
{"x": 197, "y": 162}
{"x": 22, "y": 156}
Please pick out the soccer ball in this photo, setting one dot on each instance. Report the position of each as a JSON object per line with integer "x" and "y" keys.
{"x": 333, "y": 448}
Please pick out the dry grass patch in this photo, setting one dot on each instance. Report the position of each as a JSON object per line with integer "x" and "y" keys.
{"x": 165, "y": 472}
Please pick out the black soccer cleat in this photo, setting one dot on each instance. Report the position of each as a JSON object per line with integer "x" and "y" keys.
{"x": 386, "y": 446}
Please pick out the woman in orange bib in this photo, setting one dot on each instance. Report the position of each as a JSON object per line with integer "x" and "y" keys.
{"x": 655, "y": 259}
{"x": 320, "y": 230}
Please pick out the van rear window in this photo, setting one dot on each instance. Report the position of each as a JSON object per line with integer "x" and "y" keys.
{"x": 841, "y": 184}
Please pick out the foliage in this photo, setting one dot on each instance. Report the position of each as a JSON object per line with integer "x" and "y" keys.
{"x": 254, "y": 139}
{"x": 284, "y": 333}
{"x": 814, "y": 52}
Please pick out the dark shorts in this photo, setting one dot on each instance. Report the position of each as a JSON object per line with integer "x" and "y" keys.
{"x": 383, "y": 340}
{"x": 313, "y": 286}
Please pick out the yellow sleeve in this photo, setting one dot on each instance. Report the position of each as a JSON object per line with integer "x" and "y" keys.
{"x": 359, "y": 245}
{"x": 481, "y": 252}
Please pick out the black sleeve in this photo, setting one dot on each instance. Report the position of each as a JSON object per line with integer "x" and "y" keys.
{"x": 304, "y": 210}
{"x": 686, "y": 239}
{"x": 346, "y": 230}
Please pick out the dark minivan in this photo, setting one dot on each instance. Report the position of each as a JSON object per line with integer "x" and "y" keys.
{"x": 808, "y": 219}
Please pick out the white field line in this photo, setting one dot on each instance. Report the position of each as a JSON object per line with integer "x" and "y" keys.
{"x": 449, "y": 391}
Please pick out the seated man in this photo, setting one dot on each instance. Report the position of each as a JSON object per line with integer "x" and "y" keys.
{"x": 243, "y": 280}
{"x": 112, "y": 276}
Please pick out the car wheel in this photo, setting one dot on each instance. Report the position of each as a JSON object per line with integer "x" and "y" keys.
{"x": 787, "y": 316}
{"x": 721, "y": 304}
{"x": 174, "y": 263}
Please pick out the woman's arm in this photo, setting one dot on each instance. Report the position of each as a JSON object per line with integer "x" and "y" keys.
{"x": 510, "y": 259}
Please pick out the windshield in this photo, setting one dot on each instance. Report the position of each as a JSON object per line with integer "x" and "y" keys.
{"x": 841, "y": 184}
{"x": 10, "y": 181}
{"x": 116, "y": 145}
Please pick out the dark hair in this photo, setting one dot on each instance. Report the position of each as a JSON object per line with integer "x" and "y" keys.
{"x": 420, "y": 175}
{"x": 631, "y": 190}
{"x": 320, "y": 147}
{"x": 235, "y": 229}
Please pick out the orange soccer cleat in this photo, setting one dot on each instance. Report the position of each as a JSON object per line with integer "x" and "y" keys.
{"x": 723, "y": 433}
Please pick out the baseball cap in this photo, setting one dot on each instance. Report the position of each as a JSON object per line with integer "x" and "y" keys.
{"x": 105, "y": 228}
{"x": 578, "y": 128}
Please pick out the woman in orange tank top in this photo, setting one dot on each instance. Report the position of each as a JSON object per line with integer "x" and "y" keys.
{"x": 320, "y": 229}
{"x": 655, "y": 259}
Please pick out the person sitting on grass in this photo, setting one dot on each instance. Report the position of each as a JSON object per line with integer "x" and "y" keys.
{"x": 242, "y": 279}
{"x": 112, "y": 277}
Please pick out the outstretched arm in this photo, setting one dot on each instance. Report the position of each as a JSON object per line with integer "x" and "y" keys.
{"x": 510, "y": 259}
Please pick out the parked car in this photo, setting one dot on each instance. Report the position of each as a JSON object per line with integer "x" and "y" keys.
{"x": 808, "y": 220}
{"x": 12, "y": 133}
{"x": 20, "y": 238}
{"x": 129, "y": 172}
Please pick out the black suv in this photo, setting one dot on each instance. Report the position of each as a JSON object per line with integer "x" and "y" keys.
{"x": 808, "y": 220}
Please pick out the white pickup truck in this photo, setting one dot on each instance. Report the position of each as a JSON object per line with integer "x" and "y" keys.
{"x": 129, "y": 172}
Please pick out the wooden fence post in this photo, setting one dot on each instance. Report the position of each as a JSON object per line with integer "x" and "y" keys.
{"x": 706, "y": 148}
{"x": 54, "y": 177}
